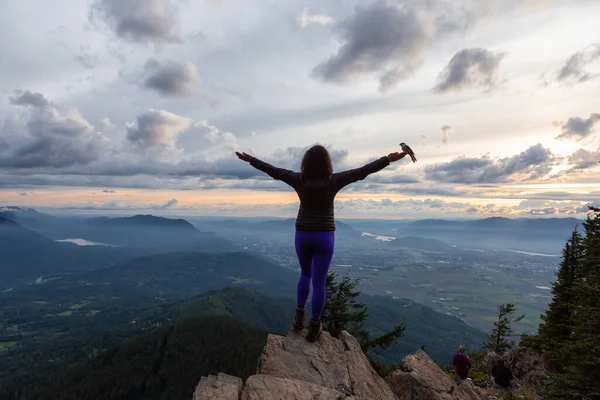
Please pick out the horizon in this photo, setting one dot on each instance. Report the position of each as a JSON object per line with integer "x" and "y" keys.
{"x": 106, "y": 109}
{"x": 59, "y": 212}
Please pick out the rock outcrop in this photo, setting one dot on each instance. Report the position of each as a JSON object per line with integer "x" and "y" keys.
{"x": 526, "y": 365}
{"x": 422, "y": 379}
{"x": 222, "y": 386}
{"x": 291, "y": 368}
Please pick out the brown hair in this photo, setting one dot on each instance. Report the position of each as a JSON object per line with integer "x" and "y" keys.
{"x": 316, "y": 163}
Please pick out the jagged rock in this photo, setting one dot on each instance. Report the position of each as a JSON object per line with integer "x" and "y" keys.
{"x": 422, "y": 379}
{"x": 221, "y": 387}
{"x": 265, "y": 387}
{"x": 291, "y": 368}
{"x": 526, "y": 365}
{"x": 233, "y": 380}
{"x": 337, "y": 364}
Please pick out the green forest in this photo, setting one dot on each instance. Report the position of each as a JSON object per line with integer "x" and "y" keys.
{"x": 164, "y": 364}
{"x": 569, "y": 336}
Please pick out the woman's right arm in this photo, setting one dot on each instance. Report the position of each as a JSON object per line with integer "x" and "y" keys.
{"x": 280, "y": 174}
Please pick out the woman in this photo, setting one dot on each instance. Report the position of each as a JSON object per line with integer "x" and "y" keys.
{"x": 316, "y": 186}
{"x": 462, "y": 365}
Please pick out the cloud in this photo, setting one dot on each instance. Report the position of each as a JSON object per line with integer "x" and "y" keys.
{"x": 445, "y": 130}
{"x": 105, "y": 125}
{"x": 108, "y": 191}
{"x": 215, "y": 135}
{"x": 120, "y": 205}
{"x": 381, "y": 38}
{"x": 86, "y": 59}
{"x": 423, "y": 139}
{"x": 23, "y": 194}
{"x": 533, "y": 163}
{"x": 578, "y": 128}
{"x": 170, "y": 78}
{"x": 141, "y": 21}
{"x": 26, "y": 98}
{"x": 573, "y": 70}
{"x": 168, "y": 204}
{"x": 50, "y": 136}
{"x": 157, "y": 128}
{"x": 304, "y": 18}
{"x": 583, "y": 159}
{"x": 470, "y": 68}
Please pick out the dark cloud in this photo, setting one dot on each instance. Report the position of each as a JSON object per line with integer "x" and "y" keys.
{"x": 573, "y": 70}
{"x": 170, "y": 78}
{"x": 157, "y": 128}
{"x": 168, "y": 204}
{"x": 578, "y": 128}
{"x": 86, "y": 58}
{"x": 533, "y": 163}
{"x": 470, "y": 68}
{"x": 108, "y": 191}
{"x": 445, "y": 130}
{"x": 142, "y": 21}
{"x": 120, "y": 205}
{"x": 394, "y": 179}
{"x": 50, "y": 136}
{"x": 583, "y": 159}
{"x": 23, "y": 194}
{"x": 382, "y": 38}
{"x": 26, "y": 98}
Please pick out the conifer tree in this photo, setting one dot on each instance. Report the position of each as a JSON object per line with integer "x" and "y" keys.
{"x": 342, "y": 309}
{"x": 572, "y": 343}
{"x": 586, "y": 332}
{"x": 502, "y": 331}
{"x": 344, "y": 312}
{"x": 556, "y": 330}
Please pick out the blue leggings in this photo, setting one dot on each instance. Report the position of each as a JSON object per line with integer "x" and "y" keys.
{"x": 314, "y": 250}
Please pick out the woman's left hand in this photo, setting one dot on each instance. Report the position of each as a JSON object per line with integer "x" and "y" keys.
{"x": 396, "y": 156}
{"x": 244, "y": 156}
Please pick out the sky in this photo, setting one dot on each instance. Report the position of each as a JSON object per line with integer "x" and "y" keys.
{"x": 129, "y": 106}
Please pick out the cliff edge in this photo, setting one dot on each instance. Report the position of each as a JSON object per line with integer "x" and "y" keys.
{"x": 293, "y": 369}
{"x": 290, "y": 368}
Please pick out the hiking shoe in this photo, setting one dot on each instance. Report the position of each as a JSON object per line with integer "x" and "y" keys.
{"x": 314, "y": 330}
{"x": 299, "y": 319}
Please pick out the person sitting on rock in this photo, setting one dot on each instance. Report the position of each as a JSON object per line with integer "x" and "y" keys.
{"x": 501, "y": 375}
{"x": 462, "y": 364}
{"x": 316, "y": 186}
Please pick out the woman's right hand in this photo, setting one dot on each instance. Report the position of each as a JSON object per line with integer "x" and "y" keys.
{"x": 244, "y": 156}
{"x": 396, "y": 156}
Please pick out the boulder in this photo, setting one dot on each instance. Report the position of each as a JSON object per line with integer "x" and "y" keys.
{"x": 339, "y": 364}
{"x": 422, "y": 379}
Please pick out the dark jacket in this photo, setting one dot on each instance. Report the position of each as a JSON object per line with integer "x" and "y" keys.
{"x": 502, "y": 375}
{"x": 317, "y": 195}
{"x": 462, "y": 364}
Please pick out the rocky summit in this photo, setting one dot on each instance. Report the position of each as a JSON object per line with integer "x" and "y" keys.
{"x": 293, "y": 369}
{"x": 290, "y": 368}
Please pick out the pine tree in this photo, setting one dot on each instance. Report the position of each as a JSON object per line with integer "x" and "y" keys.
{"x": 573, "y": 342}
{"x": 556, "y": 331}
{"x": 586, "y": 332}
{"x": 502, "y": 330}
{"x": 342, "y": 309}
{"x": 344, "y": 312}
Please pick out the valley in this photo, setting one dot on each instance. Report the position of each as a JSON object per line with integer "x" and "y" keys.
{"x": 139, "y": 274}
{"x": 467, "y": 282}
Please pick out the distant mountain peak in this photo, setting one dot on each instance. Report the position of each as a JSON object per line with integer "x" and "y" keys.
{"x": 143, "y": 219}
{"x": 17, "y": 209}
